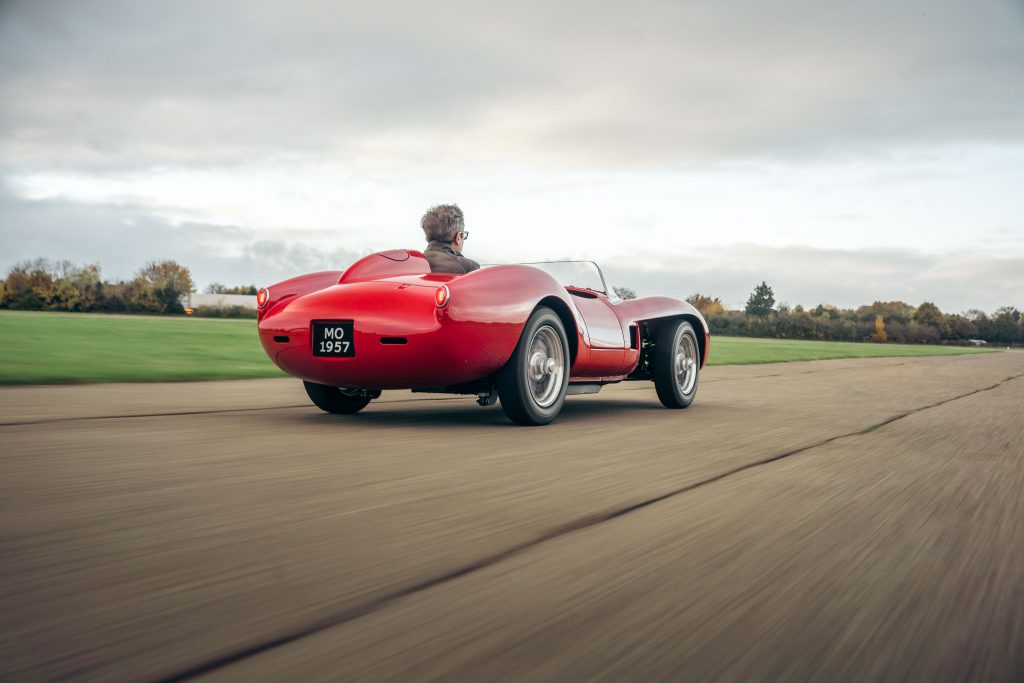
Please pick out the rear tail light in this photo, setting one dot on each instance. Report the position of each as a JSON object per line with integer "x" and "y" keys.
{"x": 441, "y": 296}
{"x": 262, "y": 297}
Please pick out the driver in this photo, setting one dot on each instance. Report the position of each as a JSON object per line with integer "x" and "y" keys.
{"x": 444, "y": 227}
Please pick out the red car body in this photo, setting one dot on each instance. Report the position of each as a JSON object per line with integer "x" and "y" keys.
{"x": 404, "y": 339}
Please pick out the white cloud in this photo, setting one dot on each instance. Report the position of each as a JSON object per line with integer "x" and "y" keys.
{"x": 952, "y": 201}
{"x": 884, "y": 139}
{"x": 122, "y": 237}
{"x": 656, "y": 83}
{"x": 956, "y": 281}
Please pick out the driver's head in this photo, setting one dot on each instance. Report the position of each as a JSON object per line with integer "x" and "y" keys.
{"x": 444, "y": 223}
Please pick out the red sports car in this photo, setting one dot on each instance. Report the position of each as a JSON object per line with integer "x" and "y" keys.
{"x": 528, "y": 334}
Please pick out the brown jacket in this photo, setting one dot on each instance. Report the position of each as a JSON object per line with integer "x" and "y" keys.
{"x": 444, "y": 259}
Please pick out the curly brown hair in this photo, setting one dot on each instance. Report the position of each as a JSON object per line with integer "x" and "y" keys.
{"x": 442, "y": 223}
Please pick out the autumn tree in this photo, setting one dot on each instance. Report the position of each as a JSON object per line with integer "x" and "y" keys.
{"x": 889, "y": 310}
{"x": 761, "y": 300}
{"x": 89, "y": 283}
{"x": 61, "y": 295}
{"x": 73, "y": 288}
{"x": 930, "y": 315}
{"x": 825, "y": 311}
{"x": 139, "y": 296}
{"x": 170, "y": 282}
{"x": 707, "y": 305}
{"x": 880, "y": 335}
{"x": 28, "y": 285}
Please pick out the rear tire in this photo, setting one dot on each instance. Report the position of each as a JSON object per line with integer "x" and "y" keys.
{"x": 676, "y": 364}
{"x": 532, "y": 384}
{"x": 336, "y": 400}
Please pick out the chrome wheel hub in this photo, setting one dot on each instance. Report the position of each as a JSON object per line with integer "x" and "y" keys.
{"x": 685, "y": 365}
{"x": 545, "y": 368}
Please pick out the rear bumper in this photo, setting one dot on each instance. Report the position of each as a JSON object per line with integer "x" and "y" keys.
{"x": 401, "y": 339}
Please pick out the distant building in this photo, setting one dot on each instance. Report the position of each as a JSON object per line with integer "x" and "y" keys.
{"x": 977, "y": 342}
{"x": 195, "y": 300}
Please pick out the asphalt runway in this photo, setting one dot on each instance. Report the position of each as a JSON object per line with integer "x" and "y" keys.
{"x": 833, "y": 520}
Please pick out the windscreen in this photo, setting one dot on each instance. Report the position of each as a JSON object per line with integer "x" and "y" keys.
{"x": 584, "y": 274}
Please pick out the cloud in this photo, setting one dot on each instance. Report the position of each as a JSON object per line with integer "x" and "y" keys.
{"x": 111, "y": 84}
{"x": 122, "y": 237}
{"x": 255, "y": 140}
{"x": 848, "y": 278}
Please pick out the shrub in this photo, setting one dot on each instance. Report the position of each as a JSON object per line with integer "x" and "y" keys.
{"x": 218, "y": 288}
{"x": 707, "y": 305}
{"x": 28, "y": 284}
{"x": 224, "y": 312}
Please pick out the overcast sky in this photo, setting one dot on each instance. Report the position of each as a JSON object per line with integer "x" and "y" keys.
{"x": 844, "y": 152}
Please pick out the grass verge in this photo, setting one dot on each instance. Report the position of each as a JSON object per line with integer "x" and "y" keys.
{"x": 55, "y": 348}
{"x": 745, "y": 350}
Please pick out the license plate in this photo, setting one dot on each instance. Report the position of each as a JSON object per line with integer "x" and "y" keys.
{"x": 333, "y": 339}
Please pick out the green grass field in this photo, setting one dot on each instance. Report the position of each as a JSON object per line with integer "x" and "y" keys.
{"x": 51, "y": 348}
{"x": 745, "y": 350}
{"x": 48, "y": 348}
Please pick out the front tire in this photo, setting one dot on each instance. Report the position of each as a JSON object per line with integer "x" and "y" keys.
{"x": 336, "y": 400}
{"x": 676, "y": 364}
{"x": 532, "y": 384}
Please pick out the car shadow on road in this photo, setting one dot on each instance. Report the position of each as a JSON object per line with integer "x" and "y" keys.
{"x": 441, "y": 415}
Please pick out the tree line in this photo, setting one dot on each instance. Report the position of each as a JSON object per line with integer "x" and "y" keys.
{"x": 44, "y": 285}
{"x": 881, "y": 321}
{"x": 158, "y": 287}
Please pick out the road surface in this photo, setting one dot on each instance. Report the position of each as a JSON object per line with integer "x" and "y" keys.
{"x": 833, "y": 520}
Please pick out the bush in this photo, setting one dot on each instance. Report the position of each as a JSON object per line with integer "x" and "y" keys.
{"x": 224, "y": 312}
{"x": 218, "y": 288}
{"x": 27, "y": 284}
{"x": 707, "y": 305}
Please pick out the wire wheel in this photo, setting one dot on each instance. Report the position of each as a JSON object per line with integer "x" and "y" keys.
{"x": 532, "y": 384}
{"x": 686, "y": 360}
{"x": 676, "y": 370}
{"x": 546, "y": 366}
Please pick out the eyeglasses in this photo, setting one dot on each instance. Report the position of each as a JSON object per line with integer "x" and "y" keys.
{"x": 464, "y": 235}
